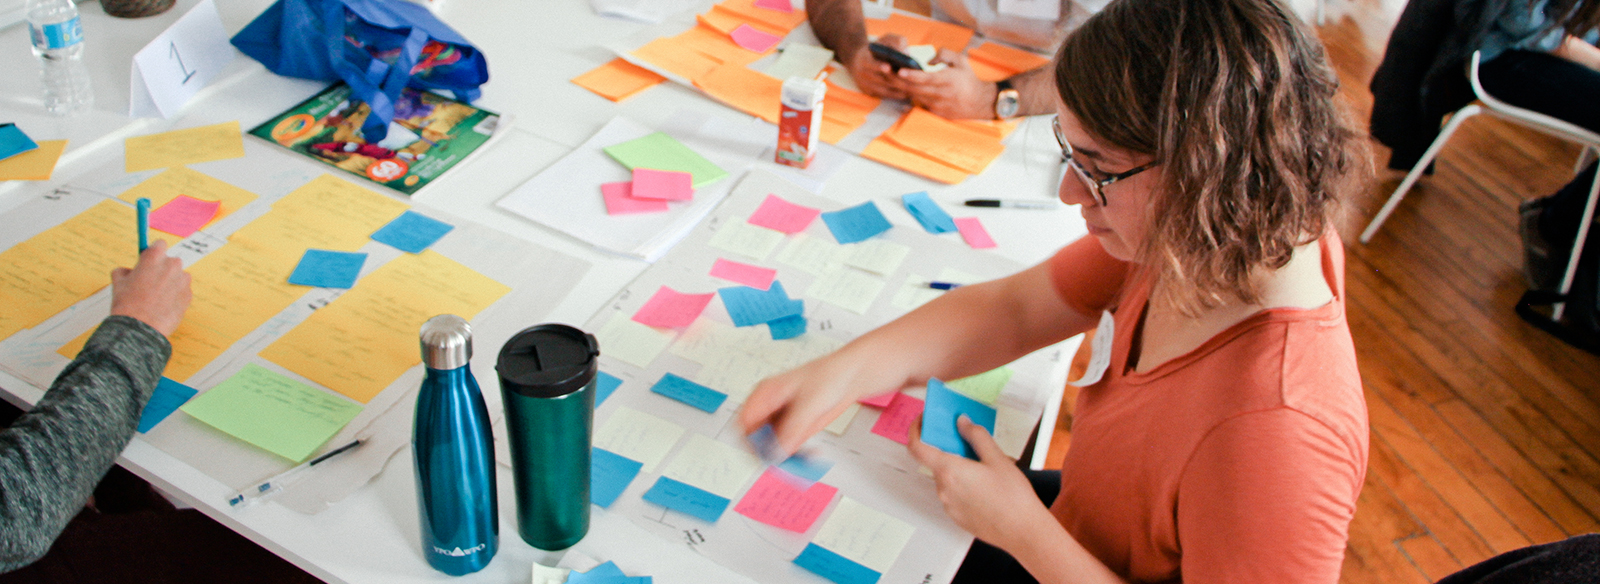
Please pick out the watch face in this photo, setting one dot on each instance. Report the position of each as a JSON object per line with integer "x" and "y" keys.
{"x": 1006, "y": 104}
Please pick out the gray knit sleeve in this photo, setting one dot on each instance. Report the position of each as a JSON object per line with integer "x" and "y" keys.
{"x": 52, "y": 457}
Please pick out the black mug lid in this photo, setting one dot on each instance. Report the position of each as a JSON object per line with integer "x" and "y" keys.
{"x": 548, "y": 360}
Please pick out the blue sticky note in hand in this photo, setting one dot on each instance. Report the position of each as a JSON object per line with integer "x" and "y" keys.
{"x": 13, "y": 141}
{"x": 928, "y": 213}
{"x": 856, "y": 223}
{"x": 687, "y": 499}
{"x": 939, "y": 415}
{"x": 604, "y": 385}
{"x": 609, "y": 475}
{"x": 749, "y": 307}
{"x": 807, "y": 467}
{"x": 787, "y": 327}
{"x": 328, "y": 269}
{"x": 834, "y": 567}
{"x": 412, "y": 232}
{"x": 689, "y": 392}
{"x": 168, "y": 396}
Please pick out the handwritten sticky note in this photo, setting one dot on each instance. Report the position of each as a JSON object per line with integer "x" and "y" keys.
{"x": 888, "y": 152}
{"x": 939, "y": 415}
{"x": 746, "y": 240}
{"x": 778, "y": 5}
{"x": 412, "y": 232}
{"x": 879, "y": 401}
{"x": 620, "y": 201}
{"x": 618, "y": 80}
{"x": 776, "y": 502}
{"x": 748, "y": 37}
{"x": 609, "y": 475}
{"x": 787, "y": 327}
{"x": 14, "y": 141}
{"x": 179, "y": 147}
{"x": 877, "y": 256}
{"x": 695, "y": 395}
{"x": 846, "y": 288}
{"x": 687, "y": 499}
{"x": 638, "y": 436}
{"x": 933, "y": 218}
{"x": 835, "y": 567}
{"x": 36, "y": 164}
{"x": 864, "y": 535}
{"x": 604, "y": 385}
{"x": 631, "y": 342}
{"x": 670, "y": 308}
{"x": 780, "y": 215}
{"x": 281, "y": 415}
{"x": 972, "y": 230}
{"x": 895, "y": 421}
{"x": 183, "y": 215}
{"x": 328, "y": 269}
{"x": 749, "y": 307}
{"x": 984, "y": 387}
{"x": 717, "y": 468}
{"x": 665, "y": 185}
{"x": 753, "y": 276}
{"x": 168, "y": 396}
{"x": 856, "y": 223}
{"x": 662, "y": 152}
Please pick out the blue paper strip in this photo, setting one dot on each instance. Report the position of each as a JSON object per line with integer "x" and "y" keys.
{"x": 834, "y": 567}
{"x": 787, "y": 327}
{"x": 810, "y": 468}
{"x": 856, "y": 223}
{"x": 328, "y": 269}
{"x": 689, "y": 392}
{"x": 604, "y": 385}
{"x": 168, "y": 396}
{"x": 928, "y": 213}
{"x": 939, "y": 415}
{"x": 609, "y": 475}
{"x": 412, "y": 232}
{"x": 749, "y": 307}
{"x": 607, "y": 573}
{"x": 14, "y": 141}
{"x": 686, "y": 498}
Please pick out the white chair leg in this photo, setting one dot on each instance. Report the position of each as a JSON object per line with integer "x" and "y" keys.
{"x": 1416, "y": 171}
{"x": 1586, "y": 156}
{"x": 1577, "y": 248}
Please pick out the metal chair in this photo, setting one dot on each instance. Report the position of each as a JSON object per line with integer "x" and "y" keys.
{"x": 1487, "y": 104}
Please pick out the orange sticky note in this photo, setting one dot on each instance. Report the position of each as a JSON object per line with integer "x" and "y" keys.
{"x": 37, "y": 164}
{"x": 834, "y": 130}
{"x": 770, "y": 19}
{"x": 946, "y": 35}
{"x": 717, "y": 46}
{"x": 889, "y": 153}
{"x": 1001, "y": 56}
{"x": 618, "y": 80}
{"x": 958, "y": 145}
{"x": 677, "y": 58}
{"x": 749, "y": 91}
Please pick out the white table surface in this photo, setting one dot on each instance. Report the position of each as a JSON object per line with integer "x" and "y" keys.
{"x": 534, "y": 48}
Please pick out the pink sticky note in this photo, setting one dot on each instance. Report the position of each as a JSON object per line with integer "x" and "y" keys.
{"x": 748, "y": 37}
{"x": 184, "y": 215}
{"x": 665, "y": 185}
{"x": 780, "y": 215}
{"x": 776, "y": 502}
{"x": 879, "y": 401}
{"x": 895, "y": 422}
{"x": 778, "y": 5}
{"x": 619, "y": 203}
{"x": 972, "y": 230}
{"x": 672, "y": 309}
{"x": 753, "y": 276}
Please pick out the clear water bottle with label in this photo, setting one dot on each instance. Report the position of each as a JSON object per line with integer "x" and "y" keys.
{"x": 58, "y": 43}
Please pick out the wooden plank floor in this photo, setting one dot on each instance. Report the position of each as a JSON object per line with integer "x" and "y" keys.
{"x": 1485, "y": 431}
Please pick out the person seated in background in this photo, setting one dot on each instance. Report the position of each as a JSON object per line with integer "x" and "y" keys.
{"x": 1225, "y": 439}
{"x": 953, "y": 92}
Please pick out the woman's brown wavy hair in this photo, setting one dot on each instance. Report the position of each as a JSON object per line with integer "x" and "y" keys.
{"x": 1235, "y": 99}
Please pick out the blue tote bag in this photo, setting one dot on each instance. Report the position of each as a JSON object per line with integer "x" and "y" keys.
{"x": 378, "y": 47}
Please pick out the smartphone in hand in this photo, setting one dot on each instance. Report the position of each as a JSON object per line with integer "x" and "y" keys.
{"x": 896, "y": 59}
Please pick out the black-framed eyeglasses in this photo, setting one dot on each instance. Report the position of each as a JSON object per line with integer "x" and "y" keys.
{"x": 1096, "y": 186}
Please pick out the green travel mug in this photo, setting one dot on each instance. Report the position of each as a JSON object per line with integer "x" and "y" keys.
{"x": 547, "y": 375}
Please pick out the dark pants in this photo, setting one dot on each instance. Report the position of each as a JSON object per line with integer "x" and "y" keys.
{"x": 1561, "y": 89}
{"x": 988, "y": 564}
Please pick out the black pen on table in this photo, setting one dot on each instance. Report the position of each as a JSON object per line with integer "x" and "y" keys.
{"x": 1010, "y": 204}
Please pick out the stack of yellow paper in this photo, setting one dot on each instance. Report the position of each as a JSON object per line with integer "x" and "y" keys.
{"x": 64, "y": 265}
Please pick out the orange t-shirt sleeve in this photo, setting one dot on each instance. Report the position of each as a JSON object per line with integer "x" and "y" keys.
{"x": 1267, "y": 497}
{"x": 1087, "y": 277}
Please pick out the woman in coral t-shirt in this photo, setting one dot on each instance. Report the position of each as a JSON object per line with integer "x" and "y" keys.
{"x": 1226, "y": 441}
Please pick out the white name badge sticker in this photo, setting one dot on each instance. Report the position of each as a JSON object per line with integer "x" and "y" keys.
{"x": 1031, "y": 9}
{"x": 1100, "y": 351}
{"x": 184, "y": 58}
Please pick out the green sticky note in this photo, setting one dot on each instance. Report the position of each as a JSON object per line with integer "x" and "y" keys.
{"x": 659, "y": 151}
{"x": 984, "y": 387}
{"x": 283, "y": 416}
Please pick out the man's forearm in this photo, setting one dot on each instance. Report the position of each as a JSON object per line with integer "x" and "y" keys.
{"x": 1036, "y": 91}
{"x": 839, "y": 25}
{"x": 1576, "y": 50}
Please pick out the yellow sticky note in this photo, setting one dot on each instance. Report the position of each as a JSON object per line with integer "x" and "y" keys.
{"x": 984, "y": 387}
{"x": 165, "y": 187}
{"x": 65, "y": 264}
{"x": 749, "y": 91}
{"x": 864, "y": 535}
{"x": 638, "y": 436}
{"x": 35, "y": 165}
{"x": 631, "y": 341}
{"x": 715, "y": 467}
{"x": 892, "y": 154}
{"x": 328, "y": 212}
{"x": 179, "y": 147}
{"x": 618, "y": 80}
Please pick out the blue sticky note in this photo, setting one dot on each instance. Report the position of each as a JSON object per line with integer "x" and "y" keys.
{"x": 13, "y": 141}
{"x": 328, "y": 269}
{"x": 604, "y": 385}
{"x": 939, "y": 415}
{"x": 687, "y": 499}
{"x": 787, "y": 327}
{"x": 689, "y": 392}
{"x": 412, "y": 232}
{"x": 856, "y": 223}
{"x": 609, "y": 475}
{"x": 749, "y": 307}
{"x": 168, "y": 396}
{"x": 810, "y": 468}
{"x": 834, "y": 567}
{"x": 928, "y": 213}
{"x": 607, "y": 573}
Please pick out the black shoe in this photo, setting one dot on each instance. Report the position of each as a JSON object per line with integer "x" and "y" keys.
{"x": 1542, "y": 266}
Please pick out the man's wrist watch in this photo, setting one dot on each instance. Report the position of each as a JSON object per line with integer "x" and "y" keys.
{"x": 1006, "y": 100}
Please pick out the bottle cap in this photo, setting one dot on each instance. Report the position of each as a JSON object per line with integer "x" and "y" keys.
{"x": 548, "y": 360}
{"x": 446, "y": 342}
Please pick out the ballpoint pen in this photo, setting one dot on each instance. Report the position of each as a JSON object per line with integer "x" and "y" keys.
{"x": 268, "y": 488}
{"x": 1010, "y": 204}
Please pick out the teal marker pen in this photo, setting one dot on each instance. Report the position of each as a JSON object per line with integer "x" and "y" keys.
{"x": 144, "y": 224}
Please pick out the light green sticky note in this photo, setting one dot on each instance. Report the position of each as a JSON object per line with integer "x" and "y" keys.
{"x": 283, "y": 416}
{"x": 659, "y": 151}
{"x": 984, "y": 387}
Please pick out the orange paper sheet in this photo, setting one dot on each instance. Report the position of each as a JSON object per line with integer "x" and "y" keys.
{"x": 618, "y": 80}
{"x": 724, "y": 21}
{"x": 677, "y": 58}
{"x": 882, "y": 150}
{"x": 1016, "y": 60}
{"x": 834, "y": 130}
{"x": 772, "y": 20}
{"x": 717, "y": 46}
{"x": 922, "y": 31}
{"x": 958, "y": 145}
{"x": 749, "y": 91}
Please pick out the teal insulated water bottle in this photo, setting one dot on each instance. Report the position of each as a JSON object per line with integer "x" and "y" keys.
{"x": 547, "y": 377}
{"x": 453, "y": 449}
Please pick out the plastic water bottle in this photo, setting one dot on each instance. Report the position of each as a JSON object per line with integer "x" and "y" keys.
{"x": 453, "y": 449}
{"x": 58, "y": 43}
